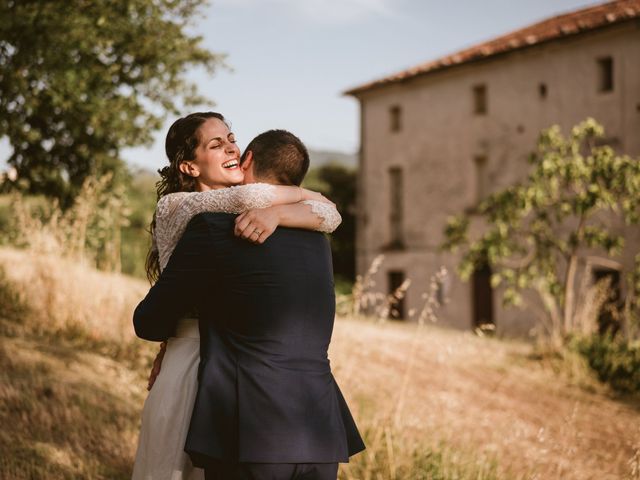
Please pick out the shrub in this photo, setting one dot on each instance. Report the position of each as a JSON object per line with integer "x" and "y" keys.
{"x": 615, "y": 361}
{"x": 12, "y": 305}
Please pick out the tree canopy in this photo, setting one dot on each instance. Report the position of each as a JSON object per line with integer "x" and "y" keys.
{"x": 81, "y": 79}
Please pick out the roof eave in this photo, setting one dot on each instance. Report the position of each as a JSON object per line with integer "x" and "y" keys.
{"x": 383, "y": 83}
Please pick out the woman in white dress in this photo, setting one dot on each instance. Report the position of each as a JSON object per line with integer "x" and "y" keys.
{"x": 204, "y": 175}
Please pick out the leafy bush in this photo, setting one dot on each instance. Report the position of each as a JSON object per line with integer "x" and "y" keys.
{"x": 339, "y": 184}
{"x": 12, "y": 305}
{"x": 136, "y": 240}
{"x": 615, "y": 361}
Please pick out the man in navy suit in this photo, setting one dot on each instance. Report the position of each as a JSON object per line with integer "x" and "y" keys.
{"x": 267, "y": 404}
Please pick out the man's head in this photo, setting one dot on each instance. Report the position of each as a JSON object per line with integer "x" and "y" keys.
{"x": 277, "y": 157}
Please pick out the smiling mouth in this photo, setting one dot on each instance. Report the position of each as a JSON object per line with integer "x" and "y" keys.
{"x": 230, "y": 164}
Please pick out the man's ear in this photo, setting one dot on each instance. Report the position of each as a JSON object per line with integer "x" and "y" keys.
{"x": 189, "y": 168}
{"x": 248, "y": 161}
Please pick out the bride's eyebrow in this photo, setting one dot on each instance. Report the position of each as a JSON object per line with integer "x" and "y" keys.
{"x": 214, "y": 138}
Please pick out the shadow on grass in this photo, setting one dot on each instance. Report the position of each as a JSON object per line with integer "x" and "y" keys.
{"x": 64, "y": 414}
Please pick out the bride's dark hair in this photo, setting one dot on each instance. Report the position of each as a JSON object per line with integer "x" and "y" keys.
{"x": 180, "y": 145}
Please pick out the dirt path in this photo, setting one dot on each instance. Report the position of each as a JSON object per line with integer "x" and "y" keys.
{"x": 486, "y": 396}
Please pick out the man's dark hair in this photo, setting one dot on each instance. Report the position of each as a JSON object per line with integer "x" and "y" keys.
{"x": 279, "y": 156}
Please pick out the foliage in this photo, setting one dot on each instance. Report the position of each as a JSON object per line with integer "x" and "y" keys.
{"x": 136, "y": 240}
{"x": 5, "y": 216}
{"x": 615, "y": 361}
{"x": 89, "y": 230}
{"x": 79, "y": 80}
{"x": 537, "y": 230}
{"x": 338, "y": 183}
{"x": 12, "y": 306}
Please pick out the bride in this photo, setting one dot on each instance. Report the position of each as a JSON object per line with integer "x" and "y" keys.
{"x": 204, "y": 175}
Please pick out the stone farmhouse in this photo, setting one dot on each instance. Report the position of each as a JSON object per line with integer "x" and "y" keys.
{"x": 439, "y": 137}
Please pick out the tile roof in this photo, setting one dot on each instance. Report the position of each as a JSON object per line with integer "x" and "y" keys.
{"x": 560, "y": 26}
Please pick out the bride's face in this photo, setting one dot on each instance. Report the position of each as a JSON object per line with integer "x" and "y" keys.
{"x": 217, "y": 162}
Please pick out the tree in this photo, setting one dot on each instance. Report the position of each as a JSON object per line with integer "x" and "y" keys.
{"x": 537, "y": 230}
{"x": 338, "y": 183}
{"x": 81, "y": 79}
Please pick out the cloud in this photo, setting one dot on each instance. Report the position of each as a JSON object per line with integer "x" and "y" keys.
{"x": 333, "y": 12}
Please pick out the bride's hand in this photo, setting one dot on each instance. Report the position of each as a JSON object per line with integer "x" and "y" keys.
{"x": 157, "y": 363}
{"x": 257, "y": 225}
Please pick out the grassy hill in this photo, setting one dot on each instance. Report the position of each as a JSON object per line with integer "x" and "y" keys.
{"x": 72, "y": 376}
{"x": 432, "y": 403}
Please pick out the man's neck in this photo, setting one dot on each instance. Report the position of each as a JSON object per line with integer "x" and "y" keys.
{"x": 269, "y": 180}
{"x": 203, "y": 187}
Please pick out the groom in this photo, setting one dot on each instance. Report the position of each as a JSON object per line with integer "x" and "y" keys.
{"x": 267, "y": 404}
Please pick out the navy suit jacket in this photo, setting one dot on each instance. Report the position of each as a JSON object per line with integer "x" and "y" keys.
{"x": 266, "y": 393}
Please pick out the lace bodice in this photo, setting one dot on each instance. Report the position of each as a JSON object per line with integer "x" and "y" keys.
{"x": 174, "y": 211}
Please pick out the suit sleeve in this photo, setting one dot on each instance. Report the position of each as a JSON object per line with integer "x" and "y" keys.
{"x": 179, "y": 287}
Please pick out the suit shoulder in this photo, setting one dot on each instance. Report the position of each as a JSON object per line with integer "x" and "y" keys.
{"x": 197, "y": 227}
{"x": 215, "y": 218}
{"x": 302, "y": 237}
{"x": 301, "y": 233}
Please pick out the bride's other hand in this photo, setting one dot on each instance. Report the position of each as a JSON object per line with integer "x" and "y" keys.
{"x": 257, "y": 225}
{"x": 157, "y": 364}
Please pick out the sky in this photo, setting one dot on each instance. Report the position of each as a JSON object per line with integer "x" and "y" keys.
{"x": 289, "y": 61}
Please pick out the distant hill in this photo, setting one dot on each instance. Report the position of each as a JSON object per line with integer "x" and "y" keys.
{"x": 323, "y": 157}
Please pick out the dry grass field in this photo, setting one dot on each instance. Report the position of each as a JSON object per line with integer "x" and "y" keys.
{"x": 492, "y": 399}
{"x": 432, "y": 403}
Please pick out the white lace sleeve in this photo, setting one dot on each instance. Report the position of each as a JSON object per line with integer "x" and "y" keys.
{"x": 331, "y": 219}
{"x": 174, "y": 211}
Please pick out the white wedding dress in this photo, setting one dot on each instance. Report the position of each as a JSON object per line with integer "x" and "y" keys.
{"x": 167, "y": 409}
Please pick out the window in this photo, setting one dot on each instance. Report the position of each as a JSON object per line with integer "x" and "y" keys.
{"x": 395, "y": 281}
{"x": 480, "y": 99}
{"x": 395, "y": 118}
{"x": 396, "y": 207}
{"x": 480, "y": 162}
{"x": 442, "y": 289}
{"x": 542, "y": 90}
{"x": 605, "y": 74}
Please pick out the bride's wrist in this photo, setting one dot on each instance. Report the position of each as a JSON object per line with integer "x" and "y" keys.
{"x": 278, "y": 211}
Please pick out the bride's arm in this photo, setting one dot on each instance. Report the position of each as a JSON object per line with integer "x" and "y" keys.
{"x": 174, "y": 211}
{"x": 258, "y": 224}
{"x": 240, "y": 198}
